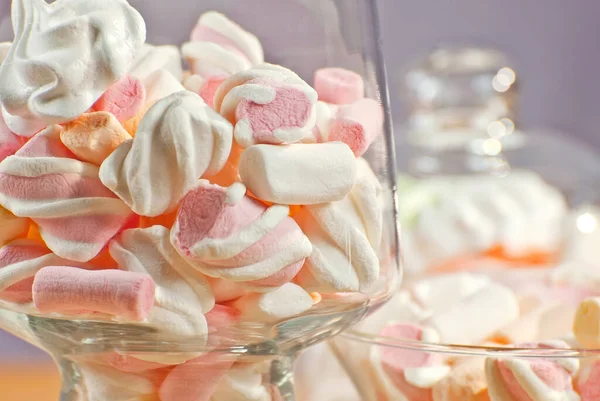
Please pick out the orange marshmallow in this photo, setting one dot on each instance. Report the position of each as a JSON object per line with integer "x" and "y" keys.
{"x": 94, "y": 136}
{"x": 166, "y": 220}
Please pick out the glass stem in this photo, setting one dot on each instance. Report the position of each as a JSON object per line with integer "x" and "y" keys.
{"x": 282, "y": 378}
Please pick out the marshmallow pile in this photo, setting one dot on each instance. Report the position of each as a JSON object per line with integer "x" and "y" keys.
{"x": 495, "y": 262}
{"x": 134, "y": 191}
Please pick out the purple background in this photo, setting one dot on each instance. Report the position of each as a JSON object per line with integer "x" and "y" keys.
{"x": 554, "y": 45}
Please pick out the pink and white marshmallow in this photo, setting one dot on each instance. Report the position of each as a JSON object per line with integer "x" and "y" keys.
{"x": 535, "y": 379}
{"x": 182, "y": 294}
{"x": 299, "y": 174}
{"x": 19, "y": 262}
{"x": 588, "y": 381}
{"x": 123, "y": 99}
{"x": 414, "y": 373}
{"x": 179, "y": 139}
{"x": 61, "y": 289}
{"x": 76, "y": 214}
{"x": 227, "y": 235}
{"x": 346, "y": 237}
{"x": 339, "y": 85}
{"x": 357, "y": 124}
{"x": 217, "y": 28}
{"x": 268, "y": 104}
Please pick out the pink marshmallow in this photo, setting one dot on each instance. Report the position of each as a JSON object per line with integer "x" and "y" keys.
{"x": 10, "y": 143}
{"x": 195, "y": 380}
{"x": 228, "y": 235}
{"x": 395, "y": 361}
{"x": 123, "y": 99}
{"x": 76, "y": 214}
{"x": 358, "y": 125}
{"x": 588, "y": 382}
{"x": 222, "y": 316}
{"x": 339, "y": 86}
{"x": 522, "y": 379}
{"x": 120, "y": 293}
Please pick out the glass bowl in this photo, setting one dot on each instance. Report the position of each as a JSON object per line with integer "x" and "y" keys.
{"x": 500, "y": 241}
{"x": 106, "y": 357}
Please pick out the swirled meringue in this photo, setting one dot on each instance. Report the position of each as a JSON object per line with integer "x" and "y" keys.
{"x": 64, "y": 56}
{"x": 228, "y": 235}
{"x": 346, "y": 236}
{"x": 76, "y": 214}
{"x": 179, "y": 140}
{"x": 182, "y": 295}
{"x": 469, "y": 215}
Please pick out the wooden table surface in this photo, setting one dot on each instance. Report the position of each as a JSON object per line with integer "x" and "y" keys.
{"x": 27, "y": 382}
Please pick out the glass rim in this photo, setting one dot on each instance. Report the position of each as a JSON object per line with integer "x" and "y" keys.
{"x": 499, "y": 351}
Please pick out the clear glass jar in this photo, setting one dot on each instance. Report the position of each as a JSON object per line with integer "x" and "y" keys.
{"x": 103, "y": 357}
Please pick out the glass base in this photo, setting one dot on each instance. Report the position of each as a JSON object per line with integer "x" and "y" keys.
{"x": 109, "y": 361}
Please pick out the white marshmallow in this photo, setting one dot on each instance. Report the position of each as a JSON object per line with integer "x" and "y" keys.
{"x": 468, "y": 215}
{"x": 476, "y": 317}
{"x": 586, "y": 326}
{"x": 439, "y": 293}
{"x": 346, "y": 236}
{"x": 301, "y": 174}
{"x": 243, "y": 40}
{"x": 182, "y": 294}
{"x": 286, "y": 301}
{"x": 242, "y": 383}
{"x": 153, "y": 58}
{"x": 64, "y": 56}
{"x": 206, "y": 59}
{"x": 179, "y": 139}
{"x": 100, "y": 383}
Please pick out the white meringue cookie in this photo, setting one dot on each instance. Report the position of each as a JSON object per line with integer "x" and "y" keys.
{"x": 346, "y": 236}
{"x": 153, "y": 58}
{"x": 242, "y": 383}
{"x": 64, "y": 56}
{"x": 286, "y": 301}
{"x": 179, "y": 139}
{"x": 182, "y": 295}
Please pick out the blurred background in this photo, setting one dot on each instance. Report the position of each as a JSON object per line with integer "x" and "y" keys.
{"x": 552, "y": 45}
